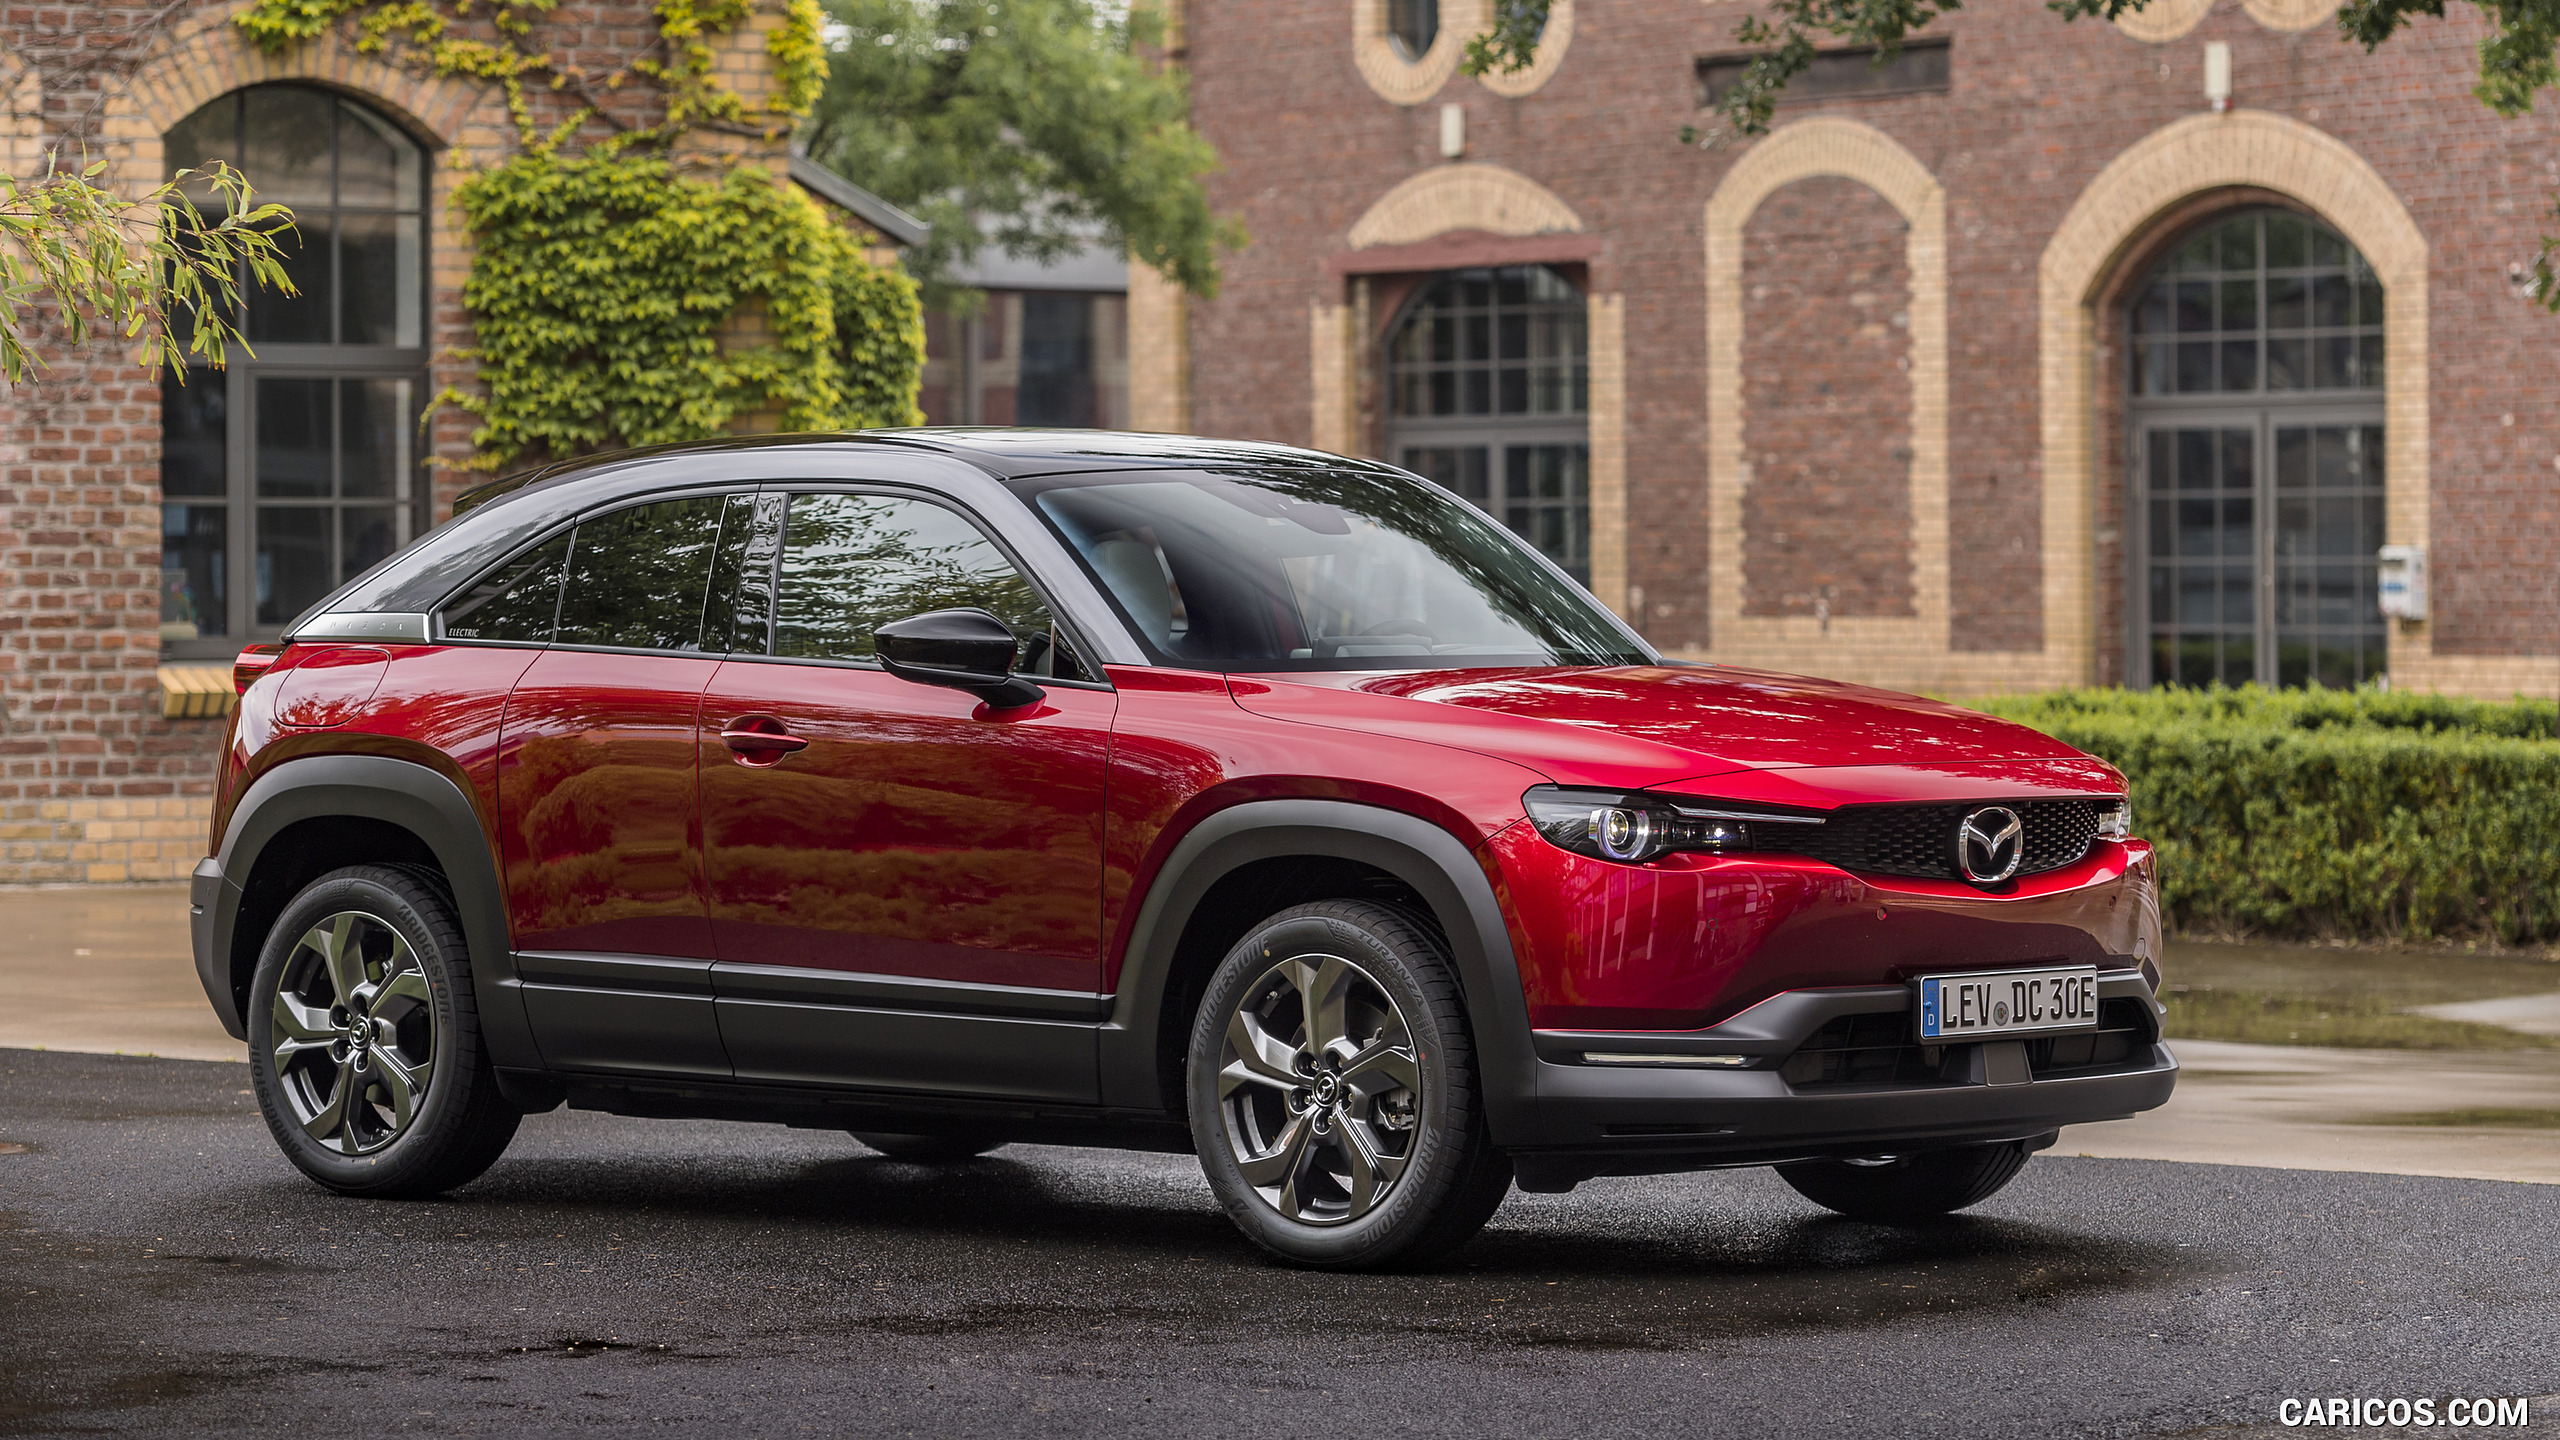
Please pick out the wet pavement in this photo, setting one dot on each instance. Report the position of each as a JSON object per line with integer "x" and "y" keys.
{"x": 163, "y": 1271}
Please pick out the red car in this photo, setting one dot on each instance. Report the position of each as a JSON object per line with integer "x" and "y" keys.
{"x": 964, "y": 788}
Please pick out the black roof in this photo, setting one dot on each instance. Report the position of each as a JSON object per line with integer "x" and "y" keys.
{"x": 1004, "y": 452}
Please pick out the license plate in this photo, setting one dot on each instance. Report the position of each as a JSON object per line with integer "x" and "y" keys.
{"x": 2008, "y": 1002}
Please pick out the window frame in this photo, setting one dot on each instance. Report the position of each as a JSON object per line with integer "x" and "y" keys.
{"x": 2262, "y": 411}
{"x": 1495, "y": 431}
{"x": 1047, "y": 593}
{"x": 240, "y": 500}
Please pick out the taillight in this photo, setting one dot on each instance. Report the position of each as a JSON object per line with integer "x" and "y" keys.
{"x": 253, "y": 662}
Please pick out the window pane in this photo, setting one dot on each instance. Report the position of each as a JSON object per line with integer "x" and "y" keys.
{"x": 377, "y": 165}
{"x": 301, "y": 318}
{"x": 378, "y": 260}
{"x": 209, "y": 135}
{"x": 293, "y": 438}
{"x": 519, "y": 601}
{"x": 637, "y": 576}
{"x": 374, "y": 432}
{"x": 1056, "y": 387}
{"x": 285, "y": 144}
{"x": 853, "y": 563}
{"x": 193, "y": 435}
{"x": 293, "y": 561}
{"x": 1412, "y": 25}
{"x": 195, "y": 598}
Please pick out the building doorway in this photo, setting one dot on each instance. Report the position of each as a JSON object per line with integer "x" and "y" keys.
{"x": 2256, "y": 452}
{"x": 292, "y": 471}
{"x": 1489, "y": 392}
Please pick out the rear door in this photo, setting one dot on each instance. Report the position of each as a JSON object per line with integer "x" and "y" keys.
{"x": 599, "y": 827}
{"x": 905, "y": 887}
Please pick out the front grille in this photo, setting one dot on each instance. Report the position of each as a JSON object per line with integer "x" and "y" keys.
{"x": 1920, "y": 840}
{"x": 1854, "y": 1050}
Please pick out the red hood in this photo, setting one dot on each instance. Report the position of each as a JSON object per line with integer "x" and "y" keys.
{"x": 1639, "y": 725}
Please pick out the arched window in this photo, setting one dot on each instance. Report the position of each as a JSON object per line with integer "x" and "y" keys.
{"x": 1412, "y": 25}
{"x": 296, "y": 469}
{"x": 2256, "y": 450}
{"x": 1488, "y": 386}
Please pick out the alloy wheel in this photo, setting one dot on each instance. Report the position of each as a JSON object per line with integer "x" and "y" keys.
{"x": 1320, "y": 1089}
{"x": 354, "y": 1033}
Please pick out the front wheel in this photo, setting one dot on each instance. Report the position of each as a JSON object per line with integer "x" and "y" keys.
{"x": 1908, "y": 1189}
{"x": 1333, "y": 1092}
{"x": 364, "y": 1039}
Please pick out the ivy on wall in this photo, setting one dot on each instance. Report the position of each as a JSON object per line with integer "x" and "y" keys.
{"x": 617, "y": 298}
{"x": 603, "y": 284}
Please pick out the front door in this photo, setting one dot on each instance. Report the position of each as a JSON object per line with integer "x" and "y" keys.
{"x": 905, "y": 887}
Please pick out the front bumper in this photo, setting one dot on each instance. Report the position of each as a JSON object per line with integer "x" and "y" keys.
{"x": 1588, "y": 1120}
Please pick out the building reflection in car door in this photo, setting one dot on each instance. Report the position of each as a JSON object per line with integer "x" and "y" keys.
{"x": 914, "y": 853}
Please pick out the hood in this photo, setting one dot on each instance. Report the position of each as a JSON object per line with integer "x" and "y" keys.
{"x": 1632, "y": 726}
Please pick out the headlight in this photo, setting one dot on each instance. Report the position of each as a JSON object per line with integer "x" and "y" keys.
{"x": 2115, "y": 822}
{"x": 1633, "y": 827}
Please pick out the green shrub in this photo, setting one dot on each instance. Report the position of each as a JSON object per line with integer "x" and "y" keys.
{"x": 2338, "y": 813}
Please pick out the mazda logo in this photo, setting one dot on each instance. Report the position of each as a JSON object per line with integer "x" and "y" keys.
{"x": 1990, "y": 844}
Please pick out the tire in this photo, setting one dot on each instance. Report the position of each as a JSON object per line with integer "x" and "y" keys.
{"x": 428, "y": 1116}
{"x": 941, "y": 1148}
{"x": 1909, "y": 1189}
{"x": 1286, "y": 1130}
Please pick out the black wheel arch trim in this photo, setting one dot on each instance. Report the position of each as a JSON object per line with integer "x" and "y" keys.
{"x": 422, "y": 801}
{"x": 1434, "y": 863}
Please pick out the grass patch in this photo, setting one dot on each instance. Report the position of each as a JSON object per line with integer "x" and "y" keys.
{"x": 2352, "y": 1020}
{"x": 2485, "y": 1117}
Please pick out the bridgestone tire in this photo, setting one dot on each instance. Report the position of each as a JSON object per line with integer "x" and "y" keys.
{"x": 1452, "y": 1178}
{"x": 943, "y": 1148}
{"x": 1909, "y": 1189}
{"x": 460, "y": 1125}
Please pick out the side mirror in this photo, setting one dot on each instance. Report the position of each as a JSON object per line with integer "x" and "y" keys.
{"x": 965, "y": 649}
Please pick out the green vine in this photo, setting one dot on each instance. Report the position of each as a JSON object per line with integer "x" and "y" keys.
{"x": 603, "y": 285}
{"x": 618, "y": 300}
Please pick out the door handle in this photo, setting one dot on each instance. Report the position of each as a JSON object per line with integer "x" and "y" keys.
{"x": 760, "y": 740}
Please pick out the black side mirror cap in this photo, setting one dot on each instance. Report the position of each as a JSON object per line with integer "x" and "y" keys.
{"x": 964, "y": 649}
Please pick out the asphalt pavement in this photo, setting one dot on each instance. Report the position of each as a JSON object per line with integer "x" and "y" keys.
{"x": 163, "y": 1271}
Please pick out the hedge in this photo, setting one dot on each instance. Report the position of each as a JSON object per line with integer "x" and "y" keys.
{"x": 2333, "y": 813}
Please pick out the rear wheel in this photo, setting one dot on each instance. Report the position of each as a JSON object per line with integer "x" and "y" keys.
{"x": 1908, "y": 1189}
{"x": 941, "y": 1147}
{"x": 364, "y": 1039}
{"x": 1333, "y": 1092}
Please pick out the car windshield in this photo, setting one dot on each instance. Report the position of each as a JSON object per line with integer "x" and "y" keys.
{"x": 1322, "y": 570}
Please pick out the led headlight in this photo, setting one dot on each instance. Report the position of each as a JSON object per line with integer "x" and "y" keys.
{"x": 1633, "y": 827}
{"x": 2115, "y": 821}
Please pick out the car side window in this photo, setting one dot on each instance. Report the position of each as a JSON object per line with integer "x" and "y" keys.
{"x": 638, "y": 577}
{"x": 518, "y": 602}
{"x": 852, "y": 563}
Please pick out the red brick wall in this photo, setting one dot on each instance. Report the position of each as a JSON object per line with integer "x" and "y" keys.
{"x": 1826, "y": 394}
{"x": 2037, "y": 107}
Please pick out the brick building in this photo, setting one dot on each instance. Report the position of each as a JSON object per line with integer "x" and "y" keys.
{"x": 2011, "y": 363}
{"x": 149, "y": 530}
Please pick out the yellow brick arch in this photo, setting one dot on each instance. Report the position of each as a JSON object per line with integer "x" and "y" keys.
{"x": 1466, "y": 196}
{"x": 2260, "y": 150}
{"x": 208, "y": 57}
{"x": 1909, "y": 650}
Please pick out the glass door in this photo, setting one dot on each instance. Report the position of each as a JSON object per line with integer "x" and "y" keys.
{"x": 2257, "y": 532}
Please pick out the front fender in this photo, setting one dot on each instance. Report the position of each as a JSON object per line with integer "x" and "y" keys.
{"x": 1429, "y": 859}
